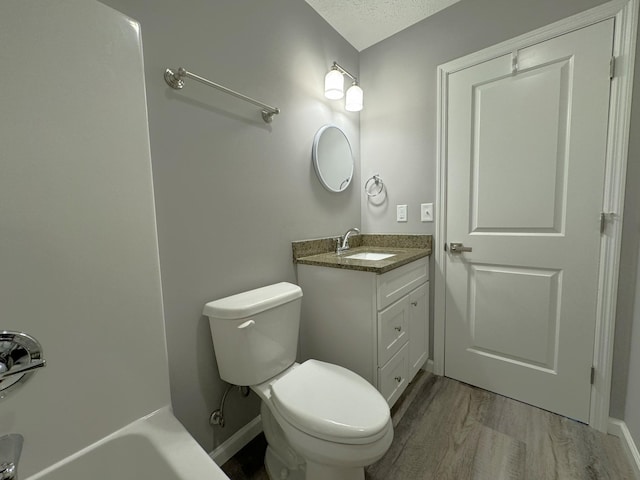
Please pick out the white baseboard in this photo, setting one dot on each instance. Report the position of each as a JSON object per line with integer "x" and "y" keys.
{"x": 619, "y": 429}
{"x": 235, "y": 442}
{"x": 428, "y": 366}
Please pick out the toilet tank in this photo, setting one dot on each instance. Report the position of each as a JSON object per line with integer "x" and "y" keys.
{"x": 255, "y": 333}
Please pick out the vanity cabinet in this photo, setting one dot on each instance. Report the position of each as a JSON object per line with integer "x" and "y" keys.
{"x": 373, "y": 324}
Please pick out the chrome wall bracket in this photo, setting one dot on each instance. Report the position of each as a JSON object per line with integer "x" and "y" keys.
{"x": 20, "y": 355}
{"x": 174, "y": 79}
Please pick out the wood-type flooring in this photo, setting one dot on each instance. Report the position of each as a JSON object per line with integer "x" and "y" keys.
{"x": 447, "y": 430}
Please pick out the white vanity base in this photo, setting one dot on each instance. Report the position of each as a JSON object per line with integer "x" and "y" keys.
{"x": 375, "y": 325}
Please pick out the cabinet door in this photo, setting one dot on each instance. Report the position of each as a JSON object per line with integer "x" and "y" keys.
{"x": 393, "y": 378}
{"x": 393, "y": 326}
{"x": 418, "y": 328}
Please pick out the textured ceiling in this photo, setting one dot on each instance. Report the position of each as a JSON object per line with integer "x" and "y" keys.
{"x": 365, "y": 22}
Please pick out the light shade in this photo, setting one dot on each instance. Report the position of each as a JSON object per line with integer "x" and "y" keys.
{"x": 334, "y": 85}
{"x": 353, "y": 102}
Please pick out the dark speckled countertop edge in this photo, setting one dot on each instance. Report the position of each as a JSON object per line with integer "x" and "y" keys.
{"x": 321, "y": 252}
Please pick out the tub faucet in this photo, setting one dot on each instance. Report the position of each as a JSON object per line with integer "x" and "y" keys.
{"x": 345, "y": 240}
{"x": 10, "y": 450}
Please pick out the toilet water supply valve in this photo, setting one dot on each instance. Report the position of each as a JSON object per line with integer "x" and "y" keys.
{"x": 217, "y": 417}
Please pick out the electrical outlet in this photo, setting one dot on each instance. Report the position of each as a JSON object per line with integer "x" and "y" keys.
{"x": 426, "y": 212}
{"x": 401, "y": 213}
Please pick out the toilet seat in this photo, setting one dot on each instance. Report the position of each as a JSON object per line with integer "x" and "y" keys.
{"x": 331, "y": 403}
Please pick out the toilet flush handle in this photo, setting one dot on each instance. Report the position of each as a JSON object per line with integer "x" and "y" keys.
{"x": 246, "y": 324}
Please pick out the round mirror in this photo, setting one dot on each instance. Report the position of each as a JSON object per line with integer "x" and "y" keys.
{"x": 332, "y": 158}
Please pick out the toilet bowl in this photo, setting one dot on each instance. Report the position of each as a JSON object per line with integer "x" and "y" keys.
{"x": 331, "y": 417}
{"x": 321, "y": 420}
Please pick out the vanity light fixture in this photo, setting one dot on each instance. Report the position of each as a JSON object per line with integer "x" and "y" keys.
{"x": 334, "y": 88}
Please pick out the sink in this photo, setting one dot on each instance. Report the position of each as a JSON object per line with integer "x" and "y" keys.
{"x": 370, "y": 256}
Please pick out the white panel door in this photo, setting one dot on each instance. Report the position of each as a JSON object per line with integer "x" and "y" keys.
{"x": 525, "y": 173}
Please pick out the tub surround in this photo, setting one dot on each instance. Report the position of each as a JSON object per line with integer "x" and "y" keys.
{"x": 78, "y": 219}
{"x": 322, "y": 252}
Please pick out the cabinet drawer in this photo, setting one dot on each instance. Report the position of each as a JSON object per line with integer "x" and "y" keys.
{"x": 392, "y": 378}
{"x": 397, "y": 283}
{"x": 393, "y": 327}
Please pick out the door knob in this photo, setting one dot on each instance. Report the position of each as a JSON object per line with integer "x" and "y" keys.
{"x": 458, "y": 248}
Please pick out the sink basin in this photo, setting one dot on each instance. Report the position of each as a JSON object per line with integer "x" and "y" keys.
{"x": 370, "y": 256}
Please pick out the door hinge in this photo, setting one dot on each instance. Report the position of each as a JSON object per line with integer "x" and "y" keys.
{"x": 445, "y": 246}
{"x": 604, "y": 218}
{"x": 593, "y": 375}
{"x": 612, "y": 67}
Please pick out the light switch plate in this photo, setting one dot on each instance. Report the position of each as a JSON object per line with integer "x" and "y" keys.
{"x": 401, "y": 213}
{"x": 426, "y": 212}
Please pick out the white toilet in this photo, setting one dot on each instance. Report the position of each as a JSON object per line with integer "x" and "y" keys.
{"x": 321, "y": 421}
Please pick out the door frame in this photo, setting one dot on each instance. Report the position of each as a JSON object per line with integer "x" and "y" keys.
{"x": 625, "y": 13}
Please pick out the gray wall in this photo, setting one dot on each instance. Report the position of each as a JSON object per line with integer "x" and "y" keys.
{"x": 232, "y": 192}
{"x": 398, "y": 131}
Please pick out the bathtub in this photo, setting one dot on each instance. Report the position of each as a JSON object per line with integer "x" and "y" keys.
{"x": 155, "y": 447}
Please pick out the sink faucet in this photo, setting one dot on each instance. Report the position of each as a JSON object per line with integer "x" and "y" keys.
{"x": 345, "y": 240}
{"x": 10, "y": 450}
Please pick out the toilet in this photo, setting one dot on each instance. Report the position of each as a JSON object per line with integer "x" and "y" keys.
{"x": 321, "y": 421}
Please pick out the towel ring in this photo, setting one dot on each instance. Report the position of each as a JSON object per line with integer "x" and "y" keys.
{"x": 377, "y": 182}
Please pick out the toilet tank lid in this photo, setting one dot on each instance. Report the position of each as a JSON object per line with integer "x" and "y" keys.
{"x": 249, "y": 303}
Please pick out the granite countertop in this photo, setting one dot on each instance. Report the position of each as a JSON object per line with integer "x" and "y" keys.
{"x": 405, "y": 249}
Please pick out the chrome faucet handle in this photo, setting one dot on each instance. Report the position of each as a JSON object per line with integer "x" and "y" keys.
{"x": 10, "y": 450}
{"x": 6, "y": 372}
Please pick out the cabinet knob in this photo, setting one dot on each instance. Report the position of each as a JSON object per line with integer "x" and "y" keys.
{"x": 397, "y": 329}
{"x": 415, "y": 304}
{"x": 398, "y": 379}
